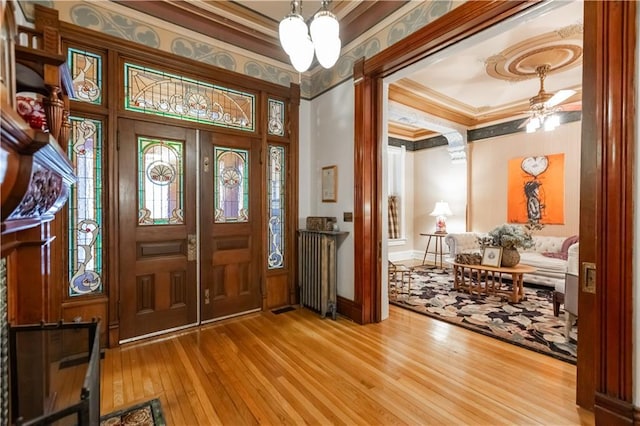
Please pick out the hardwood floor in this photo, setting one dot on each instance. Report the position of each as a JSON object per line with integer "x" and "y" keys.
{"x": 296, "y": 368}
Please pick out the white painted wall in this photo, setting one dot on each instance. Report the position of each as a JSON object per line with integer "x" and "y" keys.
{"x": 331, "y": 136}
{"x": 438, "y": 179}
{"x": 304, "y": 164}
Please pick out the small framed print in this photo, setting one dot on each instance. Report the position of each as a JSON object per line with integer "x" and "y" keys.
{"x": 329, "y": 183}
{"x": 492, "y": 256}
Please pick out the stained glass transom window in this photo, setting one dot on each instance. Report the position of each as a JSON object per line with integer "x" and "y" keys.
{"x": 276, "y": 200}
{"x": 276, "y": 117}
{"x": 231, "y": 183}
{"x": 160, "y": 182}
{"x": 85, "y": 207}
{"x": 86, "y": 72}
{"x": 169, "y": 95}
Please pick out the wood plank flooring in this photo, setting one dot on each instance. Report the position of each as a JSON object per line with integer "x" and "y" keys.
{"x": 296, "y": 368}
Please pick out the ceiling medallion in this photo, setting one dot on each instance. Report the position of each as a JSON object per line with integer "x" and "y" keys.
{"x": 560, "y": 49}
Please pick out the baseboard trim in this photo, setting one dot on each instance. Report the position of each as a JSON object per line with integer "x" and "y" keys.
{"x": 350, "y": 309}
{"x": 613, "y": 411}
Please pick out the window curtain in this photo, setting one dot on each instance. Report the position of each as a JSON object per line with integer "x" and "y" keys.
{"x": 394, "y": 227}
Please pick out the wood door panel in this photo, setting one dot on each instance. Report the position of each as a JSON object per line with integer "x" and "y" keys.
{"x": 231, "y": 256}
{"x": 230, "y": 251}
{"x": 162, "y": 248}
{"x": 158, "y": 281}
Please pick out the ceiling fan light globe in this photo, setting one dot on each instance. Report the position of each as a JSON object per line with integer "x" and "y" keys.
{"x": 302, "y": 55}
{"x": 324, "y": 26}
{"x": 328, "y": 52}
{"x": 292, "y": 30}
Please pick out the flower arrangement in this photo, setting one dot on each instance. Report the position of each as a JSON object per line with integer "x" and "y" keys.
{"x": 508, "y": 236}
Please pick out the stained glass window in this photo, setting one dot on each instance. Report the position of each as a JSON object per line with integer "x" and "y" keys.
{"x": 160, "y": 182}
{"x": 231, "y": 185}
{"x": 85, "y": 207}
{"x": 169, "y": 95}
{"x": 276, "y": 200}
{"x": 86, "y": 72}
{"x": 276, "y": 117}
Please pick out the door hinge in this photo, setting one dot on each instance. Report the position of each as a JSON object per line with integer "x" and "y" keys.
{"x": 260, "y": 156}
{"x": 118, "y": 140}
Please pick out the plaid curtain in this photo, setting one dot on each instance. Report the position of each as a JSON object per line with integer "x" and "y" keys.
{"x": 394, "y": 228}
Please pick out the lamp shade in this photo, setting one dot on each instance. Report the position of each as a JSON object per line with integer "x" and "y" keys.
{"x": 324, "y": 26}
{"x": 328, "y": 51}
{"x": 302, "y": 55}
{"x": 292, "y": 31}
{"x": 441, "y": 209}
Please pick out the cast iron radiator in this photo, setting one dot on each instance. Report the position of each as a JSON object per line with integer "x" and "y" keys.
{"x": 318, "y": 271}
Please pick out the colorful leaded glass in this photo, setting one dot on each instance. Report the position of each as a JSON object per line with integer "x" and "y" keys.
{"x": 169, "y": 95}
{"x": 231, "y": 185}
{"x": 86, "y": 72}
{"x": 85, "y": 207}
{"x": 160, "y": 182}
{"x": 276, "y": 117}
{"x": 276, "y": 194}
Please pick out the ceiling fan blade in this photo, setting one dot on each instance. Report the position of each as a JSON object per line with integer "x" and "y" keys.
{"x": 560, "y": 96}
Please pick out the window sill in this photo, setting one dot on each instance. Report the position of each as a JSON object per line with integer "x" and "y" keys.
{"x": 397, "y": 242}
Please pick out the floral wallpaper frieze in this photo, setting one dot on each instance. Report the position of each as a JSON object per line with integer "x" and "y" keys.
{"x": 119, "y": 21}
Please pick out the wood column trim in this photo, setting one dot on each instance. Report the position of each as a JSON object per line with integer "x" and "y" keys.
{"x": 614, "y": 25}
{"x": 366, "y": 206}
{"x": 462, "y": 22}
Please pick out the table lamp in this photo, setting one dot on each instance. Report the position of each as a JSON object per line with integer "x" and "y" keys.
{"x": 441, "y": 211}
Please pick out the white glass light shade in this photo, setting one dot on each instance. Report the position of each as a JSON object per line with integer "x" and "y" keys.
{"x": 551, "y": 122}
{"x": 302, "y": 55}
{"x": 292, "y": 30}
{"x": 328, "y": 51}
{"x": 324, "y": 26}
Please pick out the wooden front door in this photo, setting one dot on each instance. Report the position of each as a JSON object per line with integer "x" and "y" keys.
{"x": 230, "y": 218}
{"x": 157, "y": 227}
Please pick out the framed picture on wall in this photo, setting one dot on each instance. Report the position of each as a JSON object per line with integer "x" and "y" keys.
{"x": 329, "y": 184}
{"x": 492, "y": 256}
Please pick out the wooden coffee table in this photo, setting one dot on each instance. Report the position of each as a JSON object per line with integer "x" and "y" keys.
{"x": 482, "y": 279}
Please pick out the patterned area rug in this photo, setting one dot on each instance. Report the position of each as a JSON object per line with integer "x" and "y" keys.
{"x": 529, "y": 324}
{"x": 146, "y": 414}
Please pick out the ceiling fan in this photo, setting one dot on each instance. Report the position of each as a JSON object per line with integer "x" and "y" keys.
{"x": 544, "y": 105}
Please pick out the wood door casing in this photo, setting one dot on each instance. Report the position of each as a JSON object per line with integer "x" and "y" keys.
{"x": 230, "y": 251}
{"x": 158, "y": 280}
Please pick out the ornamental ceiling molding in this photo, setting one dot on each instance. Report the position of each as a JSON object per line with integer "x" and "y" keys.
{"x": 560, "y": 49}
{"x": 122, "y": 22}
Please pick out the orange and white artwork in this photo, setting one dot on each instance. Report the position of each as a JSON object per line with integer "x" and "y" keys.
{"x": 535, "y": 190}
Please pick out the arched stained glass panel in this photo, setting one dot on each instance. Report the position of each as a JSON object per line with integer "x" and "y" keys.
{"x": 169, "y": 95}
{"x": 160, "y": 182}
{"x": 231, "y": 185}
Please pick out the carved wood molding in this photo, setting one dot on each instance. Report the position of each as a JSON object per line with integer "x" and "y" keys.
{"x": 464, "y": 21}
{"x": 614, "y": 34}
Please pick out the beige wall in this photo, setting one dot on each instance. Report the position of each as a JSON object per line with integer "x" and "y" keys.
{"x": 488, "y": 170}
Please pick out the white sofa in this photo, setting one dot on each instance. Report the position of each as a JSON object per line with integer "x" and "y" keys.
{"x": 550, "y": 271}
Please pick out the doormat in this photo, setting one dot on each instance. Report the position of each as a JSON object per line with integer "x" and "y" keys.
{"x": 146, "y": 414}
{"x": 283, "y": 310}
{"x": 529, "y": 323}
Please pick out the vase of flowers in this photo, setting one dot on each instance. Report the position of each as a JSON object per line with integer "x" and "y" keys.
{"x": 510, "y": 238}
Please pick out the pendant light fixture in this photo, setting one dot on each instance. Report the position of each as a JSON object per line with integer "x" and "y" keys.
{"x": 324, "y": 40}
